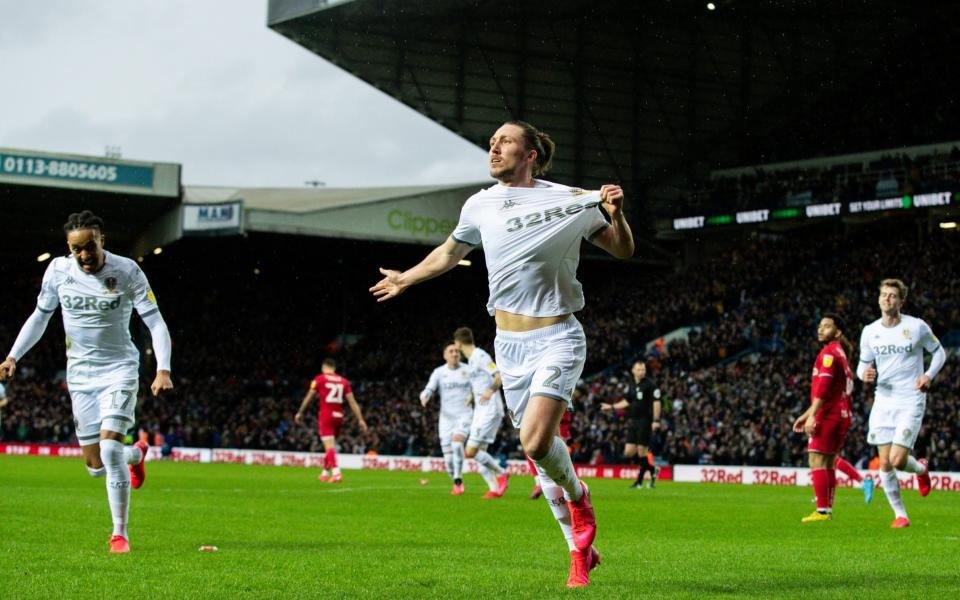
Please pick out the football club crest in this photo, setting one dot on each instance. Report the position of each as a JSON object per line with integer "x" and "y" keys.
{"x": 906, "y": 334}
{"x": 111, "y": 284}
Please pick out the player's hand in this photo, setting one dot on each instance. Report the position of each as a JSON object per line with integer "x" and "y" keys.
{"x": 870, "y": 375}
{"x": 799, "y": 422}
{"x": 388, "y": 287}
{"x": 298, "y": 418}
{"x": 612, "y": 198}
{"x": 363, "y": 426}
{"x": 161, "y": 383}
{"x": 424, "y": 398}
{"x": 7, "y": 368}
{"x": 606, "y": 407}
{"x": 923, "y": 383}
{"x": 485, "y": 396}
{"x": 810, "y": 426}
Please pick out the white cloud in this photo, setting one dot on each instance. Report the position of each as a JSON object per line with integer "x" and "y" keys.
{"x": 208, "y": 85}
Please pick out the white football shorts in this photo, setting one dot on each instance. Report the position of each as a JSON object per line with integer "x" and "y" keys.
{"x": 451, "y": 426}
{"x": 543, "y": 362}
{"x": 486, "y": 420}
{"x": 895, "y": 422}
{"x": 111, "y": 408}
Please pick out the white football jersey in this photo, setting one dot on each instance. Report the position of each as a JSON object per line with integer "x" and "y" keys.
{"x": 96, "y": 310}
{"x": 483, "y": 371}
{"x": 898, "y": 354}
{"x": 454, "y": 386}
{"x": 531, "y": 243}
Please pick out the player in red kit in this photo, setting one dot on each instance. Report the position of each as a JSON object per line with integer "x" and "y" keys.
{"x": 331, "y": 389}
{"x": 828, "y": 418}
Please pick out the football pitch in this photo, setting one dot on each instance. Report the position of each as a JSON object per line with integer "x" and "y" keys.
{"x": 282, "y": 534}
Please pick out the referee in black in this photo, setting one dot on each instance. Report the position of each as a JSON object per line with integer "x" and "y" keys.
{"x": 642, "y": 401}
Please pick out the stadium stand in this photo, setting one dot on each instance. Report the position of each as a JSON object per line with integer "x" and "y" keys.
{"x": 252, "y": 317}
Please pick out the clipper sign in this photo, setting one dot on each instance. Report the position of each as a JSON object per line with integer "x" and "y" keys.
{"x": 212, "y": 219}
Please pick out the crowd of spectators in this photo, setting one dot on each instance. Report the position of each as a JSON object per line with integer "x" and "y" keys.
{"x": 247, "y": 343}
{"x": 739, "y": 411}
{"x": 886, "y": 176}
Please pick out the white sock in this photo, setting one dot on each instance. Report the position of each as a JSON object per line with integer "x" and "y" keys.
{"x": 489, "y": 477}
{"x": 448, "y": 461}
{"x": 336, "y": 470}
{"x": 913, "y": 466}
{"x": 97, "y": 472}
{"x": 133, "y": 454}
{"x": 557, "y": 467}
{"x": 891, "y": 487}
{"x": 118, "y": 483}
{"x": 556, "y": 500}
{"x": 483, "y": 457}
{"x": 457, "y": 460}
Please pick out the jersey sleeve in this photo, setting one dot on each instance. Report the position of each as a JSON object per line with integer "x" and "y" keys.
{"x": 49, "y": 299}
{"x": 866, "y": 353}
{"x": 487, "y": 364}
{"x": 467, "y": 230}
{"x": 346, "y": 386}
{"x": 823, "y": 372}
{"x": 143, "y": 299}
{"x": 433, "y": 384}
{"x": 315, "y": 383}
{"x": 930, "y": 342}
{"x": 597, "y": 222}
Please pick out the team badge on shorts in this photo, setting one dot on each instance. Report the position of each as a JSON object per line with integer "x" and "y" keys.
{"x": 111, "y": 284}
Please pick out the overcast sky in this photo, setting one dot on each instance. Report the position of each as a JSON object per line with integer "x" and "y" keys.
{"x": 206, "y": 84}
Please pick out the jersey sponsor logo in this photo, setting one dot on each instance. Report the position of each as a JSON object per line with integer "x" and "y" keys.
{"x": 89, "y": 303}
{"x": 545, "y": 216}
{"x": 827, "y": 360}
{"x": 455, "y": 385}
{"x": 892, "y": 349}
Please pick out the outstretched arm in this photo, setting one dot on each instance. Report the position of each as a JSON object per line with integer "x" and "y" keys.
{"x": 443, "y": 258}
{"x": 30, "y": 334}
{"x": 617, "y": 239}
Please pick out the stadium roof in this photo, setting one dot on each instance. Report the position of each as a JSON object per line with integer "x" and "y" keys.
{"x": 419, "y": 214}
{"x": 645, "y": 93}
{"x": 40, "y": 189}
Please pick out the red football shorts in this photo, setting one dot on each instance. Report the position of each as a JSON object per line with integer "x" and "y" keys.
{"x": 829, "y": 436}
{"x": 329, "y": 425}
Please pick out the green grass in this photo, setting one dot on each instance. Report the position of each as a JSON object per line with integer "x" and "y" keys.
{"x": 282, "y": 534}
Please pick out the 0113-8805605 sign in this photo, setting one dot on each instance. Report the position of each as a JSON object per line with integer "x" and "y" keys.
{"x": 41, "y": 167}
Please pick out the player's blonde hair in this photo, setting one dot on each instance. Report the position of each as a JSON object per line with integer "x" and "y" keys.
{"x": 900, "y": 285}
